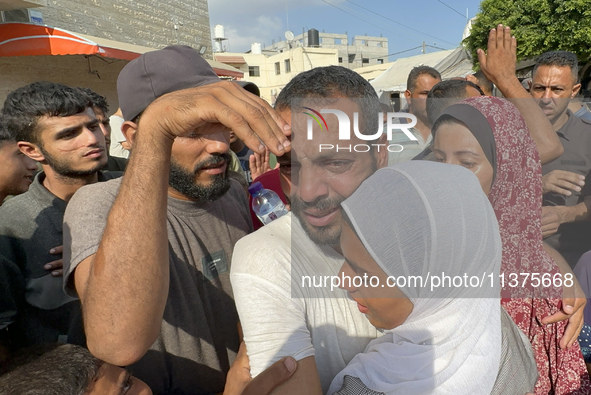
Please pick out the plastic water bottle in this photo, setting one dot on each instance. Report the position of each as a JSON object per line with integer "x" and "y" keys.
{"x": 266, "y": 204}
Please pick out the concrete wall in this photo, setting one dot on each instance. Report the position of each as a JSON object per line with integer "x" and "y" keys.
{"x": 150, "y": 23}
{"x": 71, "y": 70}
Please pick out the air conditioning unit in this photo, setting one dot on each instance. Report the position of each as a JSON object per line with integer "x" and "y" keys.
{"x": 23, "y": 15}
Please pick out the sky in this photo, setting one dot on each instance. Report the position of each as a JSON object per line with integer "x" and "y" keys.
{"x": 406, "y": 24}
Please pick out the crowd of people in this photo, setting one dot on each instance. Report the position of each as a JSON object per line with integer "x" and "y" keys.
{"x": 131, "y": 262}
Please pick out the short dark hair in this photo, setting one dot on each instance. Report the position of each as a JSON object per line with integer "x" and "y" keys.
{"x": 24, "y": 106}
{"x": 5, "y": 135}
{"x": 333, "y": 82}
{"x": 96, "y": 99}
{"x": 416, "y": 72}
{"x": 559, "y": 59}
{"x": 63, "y": 369}
{"x": 484, "y": 82}
{"x": 446, "y": 93}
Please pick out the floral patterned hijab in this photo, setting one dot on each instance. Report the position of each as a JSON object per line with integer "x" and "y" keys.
{"x": 516, "y": 197}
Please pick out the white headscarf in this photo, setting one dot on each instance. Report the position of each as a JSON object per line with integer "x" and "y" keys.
{"x": 418, "y": 219}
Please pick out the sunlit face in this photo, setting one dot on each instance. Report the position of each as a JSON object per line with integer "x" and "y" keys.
{"x": 199, "y": 165}
{"x": 113, "y": 380}
{"x": 320, "y": 181}
{"x": 417, "y": 99}
{"x": 105, "y": 125}
{"x": 455, "y": 144}
{"x": 72, "y": 146}
{"x": 385, "y": 307}
{"x": 17, "y": 170}
{"x": 553, "y": 87}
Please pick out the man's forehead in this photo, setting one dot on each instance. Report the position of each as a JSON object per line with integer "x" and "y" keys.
{"x": 560, "y": 74}
{"x": 426, "y": 81}
{"x": 61, "y": 122}
{"x": 321, "y": 112}
{"x": 302, "y": 105}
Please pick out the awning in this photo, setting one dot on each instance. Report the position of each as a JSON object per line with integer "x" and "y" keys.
{"x": 230, "y": 59}
{"x": 8, "y": 5}
{"x": 28, "y": 39}
{"x": 224, "y": 70}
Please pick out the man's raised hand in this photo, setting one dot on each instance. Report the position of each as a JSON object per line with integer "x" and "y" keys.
{"x": 216, "y": 107}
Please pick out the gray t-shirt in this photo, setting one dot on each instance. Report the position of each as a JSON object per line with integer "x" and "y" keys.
{"x": 34, "y": 306}
{"x": 572, "y": 239}
{"x": 198, "y": 339}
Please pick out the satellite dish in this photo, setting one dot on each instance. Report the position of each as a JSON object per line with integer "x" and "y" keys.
{"x": 289, "y": 35}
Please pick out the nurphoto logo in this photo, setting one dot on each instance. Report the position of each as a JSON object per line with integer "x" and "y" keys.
{"x": 392, "y": 123}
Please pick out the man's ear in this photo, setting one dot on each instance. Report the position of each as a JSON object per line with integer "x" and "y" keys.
{"x": 382, "y": 154}
{"x": 471, "y": 78}
{"x": 407, "y": 94}
{"x": 129, "y": 130}
{"x": 31, "y": 150}
{"x": 576, "y": 90}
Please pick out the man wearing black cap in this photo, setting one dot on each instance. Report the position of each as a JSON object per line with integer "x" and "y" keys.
{"x": 155, "y": 286}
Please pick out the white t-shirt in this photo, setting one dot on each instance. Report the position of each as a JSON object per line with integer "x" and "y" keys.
{"x": 279, "y": 319}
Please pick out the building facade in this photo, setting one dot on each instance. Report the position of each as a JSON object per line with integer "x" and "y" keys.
{"x": 271, "y": 71}
{"x": 360, "y": 52}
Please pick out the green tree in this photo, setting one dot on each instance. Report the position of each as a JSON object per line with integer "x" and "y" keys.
{"x": 538, "y": 26}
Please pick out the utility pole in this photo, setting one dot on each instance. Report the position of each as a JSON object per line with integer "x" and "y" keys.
{"x": 424, "y": 48}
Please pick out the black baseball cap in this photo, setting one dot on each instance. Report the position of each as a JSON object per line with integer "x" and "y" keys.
{"x": 157, "y": 73}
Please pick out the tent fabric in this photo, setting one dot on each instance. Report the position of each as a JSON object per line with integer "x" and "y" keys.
{"x": 456, "y": 64}
{"x": 29, "y": 39}
{"x": 450, "y": 63}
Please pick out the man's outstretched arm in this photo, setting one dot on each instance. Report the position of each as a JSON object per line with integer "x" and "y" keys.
{"x": 124, "y": 286}
{"x": 498, "y": 64}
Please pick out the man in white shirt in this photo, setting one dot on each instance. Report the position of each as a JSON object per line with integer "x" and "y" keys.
{"x": 278, "y": 273}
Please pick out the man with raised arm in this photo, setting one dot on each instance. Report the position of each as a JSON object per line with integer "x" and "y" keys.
{"x": 149, "y": 256}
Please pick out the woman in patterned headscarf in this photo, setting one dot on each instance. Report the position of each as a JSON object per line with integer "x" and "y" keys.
{"x": 488, "y": 136}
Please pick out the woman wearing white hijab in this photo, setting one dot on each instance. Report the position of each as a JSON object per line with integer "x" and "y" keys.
{"x": 423, "y": 219}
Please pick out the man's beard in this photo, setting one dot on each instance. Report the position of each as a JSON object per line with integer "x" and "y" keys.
{"x": 64, "y": 169}
{"x": 324, "y": 235}
{"x": 184, "y": 182}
